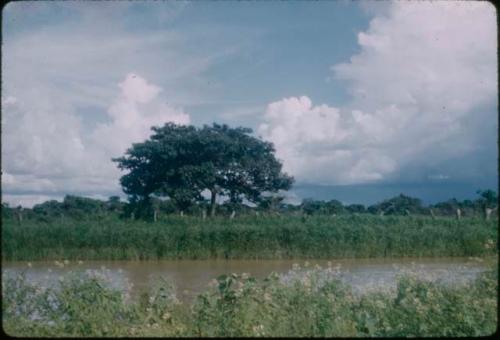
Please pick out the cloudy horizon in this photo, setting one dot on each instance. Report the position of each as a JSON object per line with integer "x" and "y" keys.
{"x": 363, "y": 98}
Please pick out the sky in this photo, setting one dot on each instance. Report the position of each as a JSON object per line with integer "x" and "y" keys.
{"x": 362, "y": 99}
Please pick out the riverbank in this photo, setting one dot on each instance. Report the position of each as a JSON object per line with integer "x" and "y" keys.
{"x": 313, "y": 303}
{"x": 249, "y": 237}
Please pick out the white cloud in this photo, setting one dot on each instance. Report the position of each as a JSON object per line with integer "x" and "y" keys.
{"x": 425, "y": 69}
{"x": 291, "y": 198}
{"x": 132, "y": 114}
{"x": 320, "y": 144}
{"x": 136, "y": 90}
{"x": 419, "y": 84}
{"x": 62, "y": 75}
{"x": 9, "y": 101}
{"x": 426, "y": 55}
{"x": 34, "y": 135}
{"x": 45, "y": 150}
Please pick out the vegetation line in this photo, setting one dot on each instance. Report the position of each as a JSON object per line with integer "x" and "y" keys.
{"x": 248, "y": 237}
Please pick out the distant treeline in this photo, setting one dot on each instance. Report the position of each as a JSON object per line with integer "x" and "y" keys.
{"x": 80, "y": 208}
{"x": 84, "y": 228}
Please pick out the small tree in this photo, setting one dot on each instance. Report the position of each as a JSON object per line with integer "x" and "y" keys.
{"x": 488, "y": 198}
{"x": 114, "y": 205}
{"x": 398, "y": 205}
{"x": 356, "y": 208}
{"x": 310, "y": 206}
{"x": 48, "y": 209}
{"x": 334, "y": 207}
{"x": 7, "y": 212}
{"x": 82, "y": 207}
{"x": 488, "y": 201}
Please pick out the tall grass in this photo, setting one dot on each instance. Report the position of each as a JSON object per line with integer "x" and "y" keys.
{"x": 248, "y": 237}
{"x": 238, "y": 305}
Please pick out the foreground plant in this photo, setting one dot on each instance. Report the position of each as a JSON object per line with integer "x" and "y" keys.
{"x": 305, "y": 302}
{"x": 83, "y": 304}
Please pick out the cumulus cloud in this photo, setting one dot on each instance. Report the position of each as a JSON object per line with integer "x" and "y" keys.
{"x": 63, "y": 117}
{"x": 45, "y": 149}
{"x": 34, "y": 136}
{"x": 137, "y": 108}
{"x": 423, "y": 89}
{"x": 322, "y": 144}
{"x": 425, "y": 71}
{"x": 427, "y": 55}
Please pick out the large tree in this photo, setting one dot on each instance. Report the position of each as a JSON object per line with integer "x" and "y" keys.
{"x": 180, "y": 162}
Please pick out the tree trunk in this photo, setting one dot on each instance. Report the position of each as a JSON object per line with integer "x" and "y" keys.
{"x": 459, "y": 213}
{"x": 204, "y": 214}
{"x": 232, "y": 214}
{"x": 212, "y": 202}
{"x": 432, "y": 213}
{"x": 488, "y": 212}
{"x": 155, "y": 215}
{"x": 182, "y": 213}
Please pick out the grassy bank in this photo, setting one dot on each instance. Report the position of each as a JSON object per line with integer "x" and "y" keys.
{"x": 310, "y": 304}
{"x": 248, "y": 237}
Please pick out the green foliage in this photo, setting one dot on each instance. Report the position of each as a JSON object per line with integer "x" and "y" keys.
{"x": 247, "y": 236}
{"x": 7, "y": 212}
{"x": 74, "y": 207}
{"x": 49, "y": 209}
{"x": 80, "y": 208}
{"x": 426, "y": 309}
{"x": 180, "y": 162}
{"x": 114, "y": 205}
{"x": 312, "y": 207}
{"x": 303, "y": 303}
{"x": 447, "y": 208}
{"x": 399, "y": 205}
{"x": 83, "y": 304}
{"x": 356, "y": 208}
{"x": 488, "y": 198}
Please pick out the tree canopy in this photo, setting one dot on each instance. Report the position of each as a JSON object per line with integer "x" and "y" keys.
{"x": 180, "y": 162}
{"x": 398, "y": 205}
{"x": 489, "y": 198}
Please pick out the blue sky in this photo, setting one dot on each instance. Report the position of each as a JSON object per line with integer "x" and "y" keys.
{"x": 373, "y": 96}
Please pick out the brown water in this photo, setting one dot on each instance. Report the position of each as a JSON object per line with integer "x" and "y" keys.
{"x": 191, "y": 277}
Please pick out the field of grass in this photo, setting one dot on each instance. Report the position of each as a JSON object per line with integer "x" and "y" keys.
{"x": 310, "y": 304}
{"x": 248, "y": 237}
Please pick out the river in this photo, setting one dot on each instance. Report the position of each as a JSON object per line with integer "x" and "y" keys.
{"x": 190, "y": 277}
